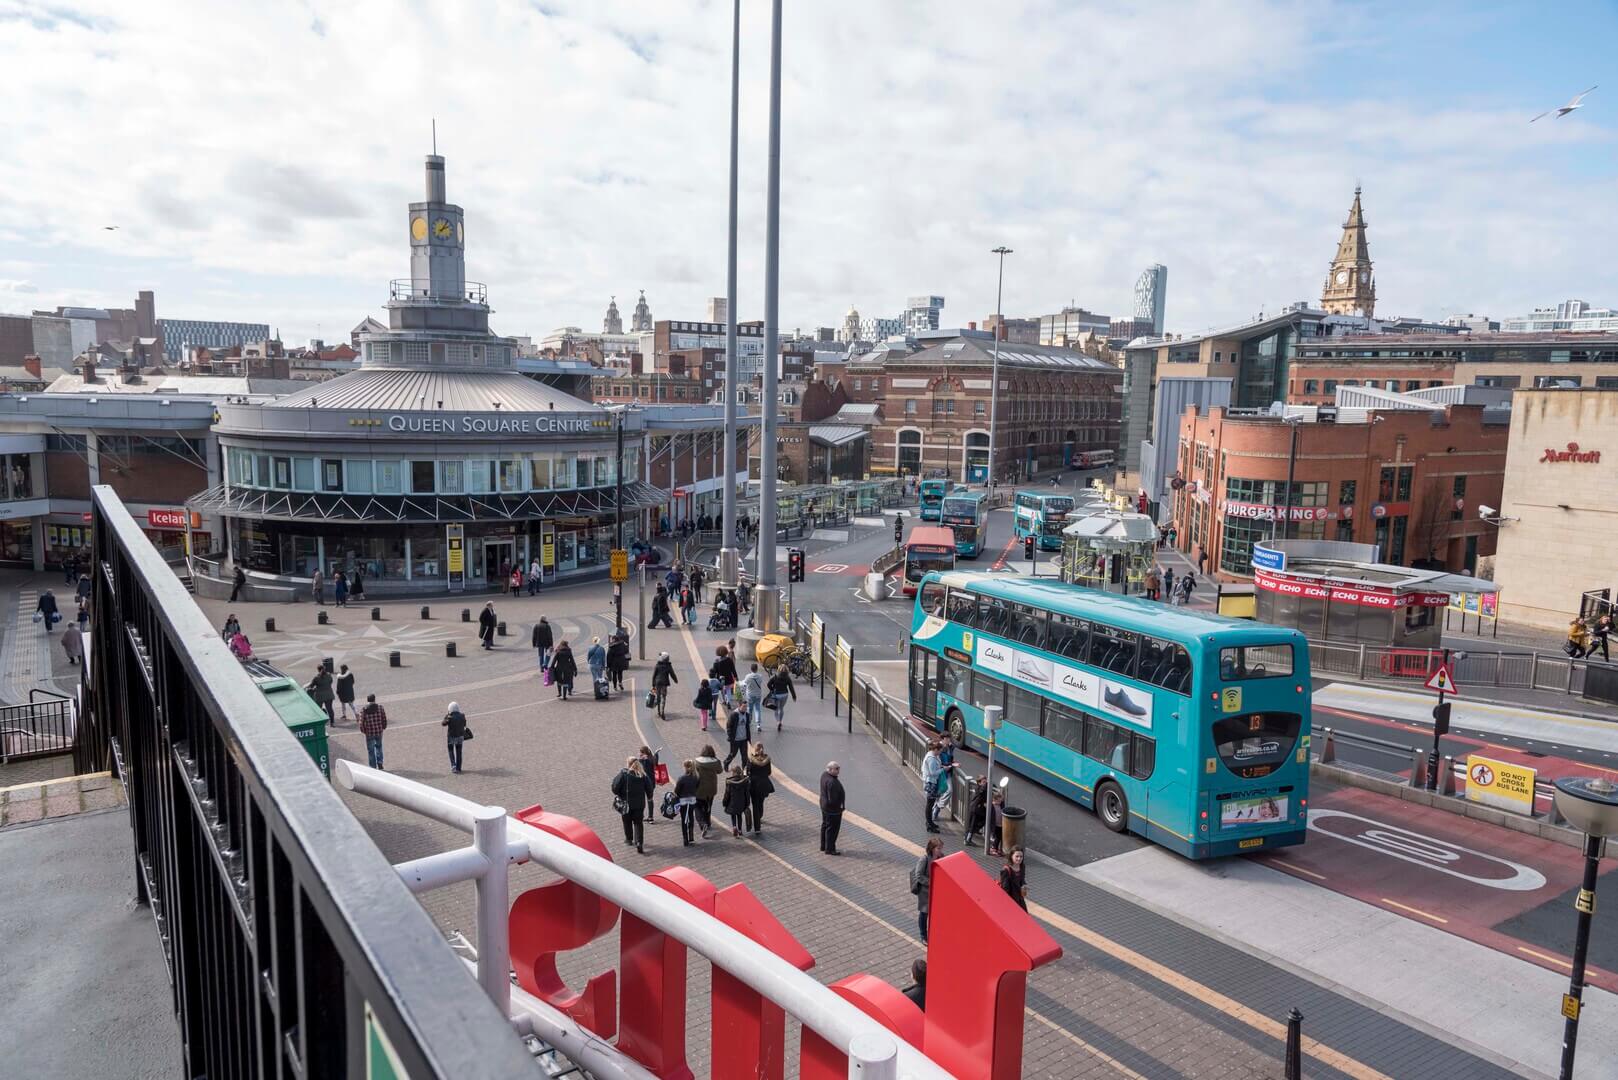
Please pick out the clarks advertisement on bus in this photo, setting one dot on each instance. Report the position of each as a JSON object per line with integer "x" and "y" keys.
{"x": 1100, "y": 695}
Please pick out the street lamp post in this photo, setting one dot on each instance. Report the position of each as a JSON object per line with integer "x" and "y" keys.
{"x": 729, "y": 557}
{"x": 1591, "y": 805}
{"x": 994, "y": 377}
{"x": 1285, "y": 524}
{"x": 618, "y": 518}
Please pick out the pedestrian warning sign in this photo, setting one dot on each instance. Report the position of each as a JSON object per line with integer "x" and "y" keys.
{"x": 620, "y": 565}
{"x": 1440, "y": 680}
{"x": 1570, "y": 1006}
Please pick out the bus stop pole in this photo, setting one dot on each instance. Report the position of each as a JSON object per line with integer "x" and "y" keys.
{"x": 991, "y": 721}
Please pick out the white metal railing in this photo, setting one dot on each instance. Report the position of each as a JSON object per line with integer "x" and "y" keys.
{"x": 874, "y": 1052}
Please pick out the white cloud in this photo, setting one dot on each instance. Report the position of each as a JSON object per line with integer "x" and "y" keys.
{"x": 258, "y": 159}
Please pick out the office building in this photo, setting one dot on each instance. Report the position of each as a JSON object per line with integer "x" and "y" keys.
{"x": 1150, "y": 294}
{"x": 922, "y": 313}
{"x": 1067, "y": 326}
{"x": 718, "y": 309}
{"x": 1570, "y": 315}
{"x": 211, "y": 333}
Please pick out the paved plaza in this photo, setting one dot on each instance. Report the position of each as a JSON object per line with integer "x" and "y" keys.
{"x": 1135, "y": 994}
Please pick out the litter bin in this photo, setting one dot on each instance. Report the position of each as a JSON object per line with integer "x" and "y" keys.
{"x": 1013, "y": 823}
{"x": 302, "y": 717}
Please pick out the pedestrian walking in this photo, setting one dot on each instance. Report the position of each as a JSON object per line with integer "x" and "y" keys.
{"x": 516, "y": 581}
{"x": 81, "y": 590}
{"x": 630, "y": 799}
{"x": 697, "y": 580}
{"x": 662, "y": 676}
{"x": 356, "y": 585}
{"x": 317, "y": 587}
{"x": 932, "y": 771}
{"x": 618, "y": 659}
{"x": 977, "y": 809}
{"x": 542, "y": 640}
{"x": 737, "y": 799}
{"x": 780, "y": 687}
{"x": 454, "y": 723}
{"x": 753, "y": 696}
{"x": 237, "y": 583}
{"x": 688, "y": 606}
{"x": 339, "y": 588}
{"x": 70, "y": 569}
{"x": 1154, "y": 584}
{"x": 704, "y": 701}
{"x": 917, "y": 990}
{"x": 46, "y": 610}
{"x": 345, "y": 694}
{"x": 596, "y": 657}
{"x": 373, "y": 722}
{"x": 83, "y": 616}
{"x": 486, "y": 624}
{"x": 660, "y": 610}
{"x": 759, "y": 784}
{"x": 1014, "y": 878}
{"x": 563, "y": 670}
{"x": 231, "y": 628}
{"x": 1188, "y": 585}
{"x": 832, "y": 802}
{"x": 708, "y": 773}
{"x": 685, "y": 795}
{"x": 1168, "y": 584}
{"x": 648, "y": 765}
{"x": 533, "y": 577}
{"x": 724, "y": 669}
{"x": 739, "y": 731}
{"x": 1599, "y": 634}
{"x": 320, "y": 688}
{"x": 73, "y": 643}
{"x": 921, "y": 882}
{"x": 997, "y": 812}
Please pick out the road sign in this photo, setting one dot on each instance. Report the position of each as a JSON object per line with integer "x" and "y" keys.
{"x": 1570, "y": 1006}
{"x": 620, "y": 564}
{"x": 1440, "y": 680}
{"x": 1501, "y": 784}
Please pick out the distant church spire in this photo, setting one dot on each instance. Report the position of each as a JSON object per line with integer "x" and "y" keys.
{"x": 613, "y": 323}
{"x": 1350, "y": 285}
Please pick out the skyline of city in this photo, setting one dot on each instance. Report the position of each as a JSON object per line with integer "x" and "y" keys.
{"x": 286, "y": 219}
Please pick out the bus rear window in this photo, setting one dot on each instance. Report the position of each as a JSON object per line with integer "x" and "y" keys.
{"x": 1255, "y": 662}
{"x": 1256, "y": 744}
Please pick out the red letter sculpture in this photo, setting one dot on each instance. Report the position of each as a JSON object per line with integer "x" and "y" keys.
{"x": 653, "y": 967}
{"x": 749, "y": 1032}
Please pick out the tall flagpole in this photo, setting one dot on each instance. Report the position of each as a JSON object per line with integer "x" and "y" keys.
{"x": 729, "y": 559}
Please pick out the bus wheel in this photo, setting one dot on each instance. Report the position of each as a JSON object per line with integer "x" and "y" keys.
{"x": 1112, "y": 806}
{"x": 956, "y": 727}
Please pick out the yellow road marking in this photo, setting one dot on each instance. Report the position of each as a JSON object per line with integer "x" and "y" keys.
{"x": 1162, "y": 972}
{"x": 1547, "y": 957}
{"x": 1292, "y": 868}
{"x": 1416, "y": 911}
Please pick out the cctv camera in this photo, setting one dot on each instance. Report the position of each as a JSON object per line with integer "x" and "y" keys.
{"x": 1486, "y": 511}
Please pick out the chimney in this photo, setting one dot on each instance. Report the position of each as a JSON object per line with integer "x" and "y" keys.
{"x": 89, "y": 368}
{"x": 972, "y": 325}
{"x": 31, "y": 362}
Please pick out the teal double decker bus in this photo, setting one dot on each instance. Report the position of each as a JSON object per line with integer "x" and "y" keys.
{"x": 932, "y": 494}
{"x": 1044, "y": 515}
{"x": 1186, "y": 728}
{"x": 966, "y": 513}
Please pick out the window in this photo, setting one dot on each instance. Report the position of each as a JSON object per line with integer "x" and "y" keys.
{"x": 331, "y": 475}
{"x": 1458, "y": 487}
{"x": 1064, "y": 726}
{"x": 359, "y": 477}
{"x": 1145, "y": 757}
{"x": 1113, "y": 649}
{"x": 954, "y": 680}
{"x": 1331, "y": 386}
{"x": 963, "y": 608}
{"x": 1022, "y": 708}
{"x": 1345, "y": 492}
{"x": 1412, "y": 384}
{"x": 1345, "y": 530}
{"x": 987, "y": 690}
{"x": 910, "y": 406}
{"x": 1106, "y": 743}
{"x": 979, "y": 409}
{"x": 932, "y": 598}
{"x": 1027, "y": 626}
{"x": 1311, "y": 386}
{"x": 389, "y": 477}
{"x": 540, "y": 472}
{"x": 283, "y": 472}
{"x": 1255, "y": 662}
{"x": 422, "y": 478}
{"x": 511, "y": 474}
{"x": 1254, "y": 745}
{"x": 1165, "y": 664}
{"x": 479, "y": 476}
{"x": 857, "y": 384}
{"x": 1068, "y": 636}
{"x": 451, "y": 477}
{"x": 303, "y": 474}
{"x": 1401, "y": 491}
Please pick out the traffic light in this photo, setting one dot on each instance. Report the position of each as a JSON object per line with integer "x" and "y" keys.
{"x": 898, "y": 530}
{"x": 1028, "y": 548}
{"x": 1441, "y": 719}
{"x": 794, "y": 564}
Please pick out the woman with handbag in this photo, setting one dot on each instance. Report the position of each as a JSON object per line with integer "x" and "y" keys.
{"x": 649, "y": 770}
{"x": 704, "y": 700}
{"x": 630, "y": 799}
{"x": 708, "y": 772}
{"x": 737, "y": 799}
{"x": 458, "y": 733}
{"x": 759, "y": 784}
{"x": 780, "y": 686}
{"x": 685, "y": 790}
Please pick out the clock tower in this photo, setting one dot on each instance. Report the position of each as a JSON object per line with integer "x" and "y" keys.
{"x": 1350, "y": 286}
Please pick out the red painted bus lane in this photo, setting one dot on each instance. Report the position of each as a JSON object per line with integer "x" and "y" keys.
{"x": 1507, "y": 890}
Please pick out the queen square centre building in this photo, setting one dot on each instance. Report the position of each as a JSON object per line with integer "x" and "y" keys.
{"x": 435, "y": 465}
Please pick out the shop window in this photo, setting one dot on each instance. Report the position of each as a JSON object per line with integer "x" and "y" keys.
{"x": 359, "y": 477}
{"x": 422, "y": 481}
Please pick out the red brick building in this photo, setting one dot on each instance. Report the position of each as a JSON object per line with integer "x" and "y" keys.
{"x": 1407, "y": 480}
{"x": 1315, "y": 381}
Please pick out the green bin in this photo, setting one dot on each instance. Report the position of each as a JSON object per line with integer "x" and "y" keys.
{"x": 301, "y": 715}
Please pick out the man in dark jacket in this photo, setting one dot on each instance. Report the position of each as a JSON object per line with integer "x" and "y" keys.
{"x": 618, "y": 659}
{"x": 831, "y": 808}
{"x": 47, "y": 609}
{"x": 321, "y": 690}
{"x": 237, "y": 583}
{"x": 486, "y": 624}
{"x": 543, "y": 640}
{"x": 662, "y": 676}
{"x": 660, "y": 610}
{"x": 563, "y": 669}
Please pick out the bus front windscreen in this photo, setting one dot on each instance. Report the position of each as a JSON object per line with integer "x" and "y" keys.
{"x": 920, "y": 560}
{"x": 960, "y": 511}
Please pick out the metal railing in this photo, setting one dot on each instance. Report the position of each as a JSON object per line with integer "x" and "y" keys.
{"x": 291, "y": 944}
{"x": 44, "y": 726}
{"x": 1524, "y": 670}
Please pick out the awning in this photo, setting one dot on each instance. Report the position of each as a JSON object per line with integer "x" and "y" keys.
{"x": 309, "y": 506}
{"x": 836, "y": 434}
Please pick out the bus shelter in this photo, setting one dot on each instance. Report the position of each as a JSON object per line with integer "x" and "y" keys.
{"x": 1335, "y": 591}
{"x": 1108, "y": 549}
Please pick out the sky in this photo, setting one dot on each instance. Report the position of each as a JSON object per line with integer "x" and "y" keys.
{"x": 257, "y": 158}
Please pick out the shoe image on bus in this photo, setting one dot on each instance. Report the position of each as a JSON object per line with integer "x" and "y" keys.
{"x": 1116, "y": 697}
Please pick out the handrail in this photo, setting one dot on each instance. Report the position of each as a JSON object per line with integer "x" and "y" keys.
{"x": 815, "y": 1005}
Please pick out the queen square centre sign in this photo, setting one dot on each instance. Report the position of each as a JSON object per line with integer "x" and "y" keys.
{"x": 495, "y": 425}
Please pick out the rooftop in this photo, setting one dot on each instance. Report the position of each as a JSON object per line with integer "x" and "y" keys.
{"x": 455, "y": 391}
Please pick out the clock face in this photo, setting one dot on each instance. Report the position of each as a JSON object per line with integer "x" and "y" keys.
{"x": 1342, "y": 277}
{"x": 460, "y": 233}
{"x": 418, "y": 228}
{"x": 443, "y": 229}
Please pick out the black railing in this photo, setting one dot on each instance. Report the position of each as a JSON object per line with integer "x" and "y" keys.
{"x": 290, "y": 940}
{"x": 42, "y": 727}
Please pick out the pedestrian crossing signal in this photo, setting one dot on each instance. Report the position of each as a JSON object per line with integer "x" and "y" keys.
{"x": 795, "y": 564}
{"x": 1028, "y": 548}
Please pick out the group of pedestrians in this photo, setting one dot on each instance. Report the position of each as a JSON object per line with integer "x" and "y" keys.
{"x": 344, "y": 586}
{"x": 746, "y": 787}
{"x": 1161, "y": 584}
{"x": 327, "y": 689}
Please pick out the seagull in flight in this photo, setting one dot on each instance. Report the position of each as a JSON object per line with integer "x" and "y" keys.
{"x": 1576, "y": 103}
{"x": 110, "y": 228}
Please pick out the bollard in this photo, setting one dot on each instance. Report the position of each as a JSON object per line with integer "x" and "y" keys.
{"x": 449, "y": 648}
{"x": 466, "y": 614}
{"x": 320, "y": 617}
{"x": 269, "y": 626}
{"x": 1418, "y": 767}
{"x": 326, "y": 664}
{"x": 393, "y": 659}
{"x": 500, "y": 628}
{"x": 376, "y": 614}
{"x": 1446, "y": 775}
{"x": 425, "y": 612}
{"x": 1294, "y": 1062}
